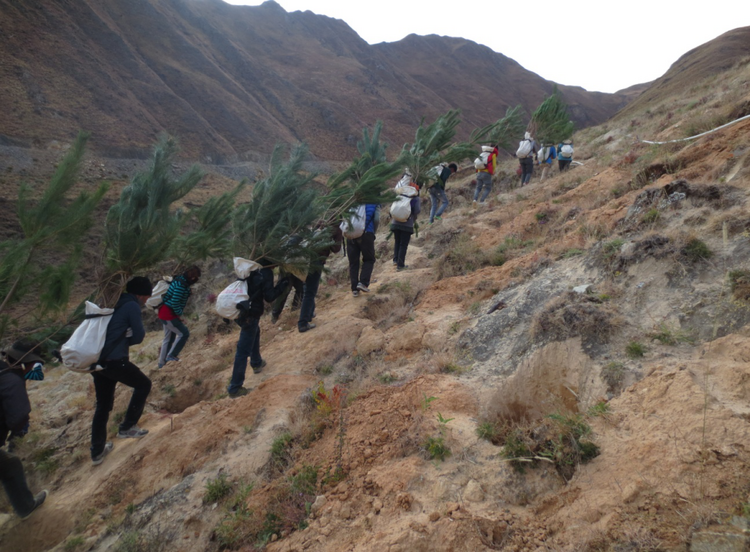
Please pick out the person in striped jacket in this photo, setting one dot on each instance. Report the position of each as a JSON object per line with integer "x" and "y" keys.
{"x": 176, "y": 332}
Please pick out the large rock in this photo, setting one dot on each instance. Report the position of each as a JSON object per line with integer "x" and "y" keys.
{"x": 371, "y": 340}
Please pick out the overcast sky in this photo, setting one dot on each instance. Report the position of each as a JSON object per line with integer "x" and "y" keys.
{"x": 601, "y": 46}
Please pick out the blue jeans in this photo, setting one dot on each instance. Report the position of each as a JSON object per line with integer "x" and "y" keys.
{"x": 484, "y": 180}
{"x": 308, "y": 298}
{"x": 248, "y": 345}
{"x": 437, "y": 195}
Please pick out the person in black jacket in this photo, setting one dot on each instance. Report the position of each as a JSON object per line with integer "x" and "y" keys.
{"x": 125, "y": 328}
{"x": 259, "y": 288}
{"x": 14, "y": 418}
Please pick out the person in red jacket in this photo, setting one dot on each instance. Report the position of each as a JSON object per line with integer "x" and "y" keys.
{"x": 484, "y": 175}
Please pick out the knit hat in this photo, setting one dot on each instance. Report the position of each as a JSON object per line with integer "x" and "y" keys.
{"x": 22, "y": 352}
{"x": 140, "y": 285}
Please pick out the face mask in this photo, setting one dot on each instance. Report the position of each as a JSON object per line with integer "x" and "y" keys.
{"x": 36, "y": 373}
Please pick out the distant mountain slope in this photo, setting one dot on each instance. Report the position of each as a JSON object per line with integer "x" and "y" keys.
{"x": 707, "y": 59}
{"x": 229, "y": 79}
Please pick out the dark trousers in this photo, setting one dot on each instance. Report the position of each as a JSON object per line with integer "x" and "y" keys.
{"x": 308, "y": 299}
{"x": 527, "y": 168}
{"x": 14, "y": 481}
{"x": 563, "y": 164}
{"x": 299, "y": 290}
{"x": 248, "y": 345}
{"x": 364, "y": 246}
{"x": 105, "y": 381}
{"x": 402, "y": 239}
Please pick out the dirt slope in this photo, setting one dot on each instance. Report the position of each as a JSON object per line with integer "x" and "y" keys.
{"x": 611, "y": 298}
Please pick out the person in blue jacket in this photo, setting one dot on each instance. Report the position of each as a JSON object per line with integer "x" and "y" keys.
{"x": 550, "y": 154}
{"x": 125, "y": 328}
{"x": 363, "y": 246}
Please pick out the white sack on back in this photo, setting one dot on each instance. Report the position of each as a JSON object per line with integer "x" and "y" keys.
{"x": 83, "y": 348}
{"x": 243, "y": 267}
{"x": 158, "y": 292}
{"x": 226, "y": 302}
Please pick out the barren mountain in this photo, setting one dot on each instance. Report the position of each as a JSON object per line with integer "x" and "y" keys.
{"x": 228, "y": 80}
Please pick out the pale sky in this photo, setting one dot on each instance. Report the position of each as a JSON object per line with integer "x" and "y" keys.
{"x": 599, "y": 45}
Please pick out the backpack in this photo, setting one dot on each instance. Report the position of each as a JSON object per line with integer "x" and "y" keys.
{"x": 354, "y": 228}
{"x": 401, "y": 208}
{"x": 480, "y": 163}
{"x": 566, "y": 151}
{"x": 157, "y": 295}
{"x": 226, "y": 301}
{"x": 82, "y": 351}
{"x": 524, "y": 149}
{"x": 543, "y": 154}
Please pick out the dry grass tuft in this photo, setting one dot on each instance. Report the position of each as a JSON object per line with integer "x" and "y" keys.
{"x": 575, "y": 314}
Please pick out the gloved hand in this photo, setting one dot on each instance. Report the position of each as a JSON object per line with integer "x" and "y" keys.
{"x": 129, "y": 332}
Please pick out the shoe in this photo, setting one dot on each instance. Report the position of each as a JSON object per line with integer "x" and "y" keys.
{"x": 134, "y": 432}
{"x": 259, "y": 369}
{"x": 438, "y": 218}
{"x": 241, "y": 392}
{"x": 274, "y": 318}
{"x": 355, "y": 293}
{"x": 474, "y": 202}
{"x": 362, "y": 287}
{"x": 306, "y": 327}
{"x": 38, "y": 501}
{"x": 400, "y": 268}
{"x": 99, "y": 458}
{"x": 395, "y": 263}
{"x": 171, "y": 358}
{"x": 160, "y": 366}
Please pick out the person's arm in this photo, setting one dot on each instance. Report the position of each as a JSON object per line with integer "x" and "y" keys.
{"x": 270, "y": 293}
{"x": 135, "y": 322}
{"x": 416, "y": 207}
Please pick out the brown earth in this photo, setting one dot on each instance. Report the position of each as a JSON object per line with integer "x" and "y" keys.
{"x": 485, "y": 327}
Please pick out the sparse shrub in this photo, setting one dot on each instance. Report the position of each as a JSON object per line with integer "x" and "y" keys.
{"x": 599, "y": 409}
{"x": 668, "y": 336}
{"x": 613, "y": 375}
{"x": 572, "y": 252}
{"x": 574, "y": 314}
{"x": 739, "y": 283}
{"x": 217, "y": 488}
{"x": 280, "y": 448}
{"x": 651, "y": 216}
{"x": 44, "y": 460}
{"x": 74, "y": 543}
{"x": 325, "y": 370}
{"x": 463, "y": 257}
{"x": 696, "y": 250}
{"x": 617, "y": 192}
{"x": 612, "y": 248}
{"x": 327, "y": 401}
{"x": 634, "y": 349}
{"x": 169, "y": 390}
{"x": 436, "y": 448}
{"x": 386, "y": 378}
{"x": 487, "y": 431}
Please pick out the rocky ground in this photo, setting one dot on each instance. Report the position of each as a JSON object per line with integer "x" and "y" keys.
{"x": 584, "y": 302}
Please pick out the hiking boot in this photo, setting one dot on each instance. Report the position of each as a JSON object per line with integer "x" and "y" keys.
{"x": 38, "y": 501}
{"x": 362, "y": 287}
{"x": 99, "y": 458}
{"x": 400, "y": 268}
{"x": 134, "y": 432}
{"x": 259, "y": 369}
{"x": 241, "y": 392}
{"x": 355, "y": 293}
{"x": 171, "y": 358}
{"x": 305, "y": 327}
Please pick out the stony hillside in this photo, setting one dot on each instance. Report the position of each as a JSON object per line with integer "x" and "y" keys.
{"x": 232, "y": 81}
{"x": 564, "y": 369}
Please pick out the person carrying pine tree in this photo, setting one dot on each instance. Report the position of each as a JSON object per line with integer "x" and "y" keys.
{"x": 437, "y": 192}
{"x": 260, "y": 288}
{"x": 363, "y": 246}
{"x": 176, "y": 332}
{"x": 484, "y": 175}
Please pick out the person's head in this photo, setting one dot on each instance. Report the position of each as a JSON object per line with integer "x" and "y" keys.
{"x": 140, "y": 286}
{"x": 192, "y": 275}
{"x": 453, "y": 167}
{"x": 23, "y": 355}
